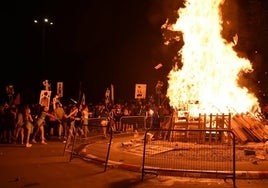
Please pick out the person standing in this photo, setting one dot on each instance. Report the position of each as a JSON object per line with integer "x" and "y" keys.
{"x": 74, "y": 119}
{"x": 104, "y": 115}
{"x": 40, "y": 122}
{"x": 85, "y": 116}
{"x": 9, "y": 123}
{"x": 28, "y": 125}
{"x": 20, "y": 124}
{"x": 56, "y": 101}
{"x": 61, "y": 116}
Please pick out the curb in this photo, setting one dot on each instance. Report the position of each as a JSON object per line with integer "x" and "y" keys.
{"x": 251, "y": 174}
{"x": 137, "y": 168}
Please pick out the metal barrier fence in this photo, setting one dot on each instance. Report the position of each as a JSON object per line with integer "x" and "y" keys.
{"x": 186, "y": 157}
{"x": 131, "y": 123}
{"x": 204, "y": 121}
{"x": 208, "y": 122}
{"x": 97, "y": 132}
{"x": 139, "y": 123}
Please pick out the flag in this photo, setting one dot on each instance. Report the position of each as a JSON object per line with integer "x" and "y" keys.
{"x": 83, "y": 100}
{"x": 80, "y": 92}
{"x": 17, "y": 99}
{"x": 112, "y": 93}
{"x": 81, "y": 95}
{"x": 107, "y": 96}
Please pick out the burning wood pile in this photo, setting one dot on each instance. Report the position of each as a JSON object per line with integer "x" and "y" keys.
{"x": 249, "y": 128}
{"x": 206, "y": 75}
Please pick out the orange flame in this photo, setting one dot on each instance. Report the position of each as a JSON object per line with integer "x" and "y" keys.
{"x": 211, "y": 67}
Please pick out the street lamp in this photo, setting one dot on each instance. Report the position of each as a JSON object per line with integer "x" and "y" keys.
{"x": 45, "y": 22}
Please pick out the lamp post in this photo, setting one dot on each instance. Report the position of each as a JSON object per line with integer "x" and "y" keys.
{"x": 45, "y": 22}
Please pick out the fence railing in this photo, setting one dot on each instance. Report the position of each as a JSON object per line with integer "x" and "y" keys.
{"x": 204, "y": 145}
{"x": 131, "y": 123}
{"x": 185, "y": 157}
{"x": 143, "y": 123}
{"x": 96, "y": 138}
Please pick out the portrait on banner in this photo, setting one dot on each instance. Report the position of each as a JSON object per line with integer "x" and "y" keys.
{"x": 44, "y": 99}
{"x": 140, "y": 91}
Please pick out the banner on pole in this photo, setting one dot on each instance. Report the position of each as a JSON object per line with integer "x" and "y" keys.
{"x": 140, "y": 91}
{"x": 83, "y": 100}
{"x": 60, "y": 89}
{"x": 112, "y": 93}
{"x": 45, "y": 98}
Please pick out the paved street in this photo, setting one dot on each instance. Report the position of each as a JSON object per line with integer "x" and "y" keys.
{"x": 46, "y": 166}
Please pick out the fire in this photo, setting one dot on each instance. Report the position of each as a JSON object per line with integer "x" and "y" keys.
{"x": 208, "y": 79}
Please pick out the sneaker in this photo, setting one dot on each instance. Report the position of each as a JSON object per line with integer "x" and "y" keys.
{"x": 28, "y": 145}
{"x": 43, "y": 142}
{"x": 34, "y": 141}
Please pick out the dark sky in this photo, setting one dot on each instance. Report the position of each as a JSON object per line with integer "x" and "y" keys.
{"x": 93, "y": 42}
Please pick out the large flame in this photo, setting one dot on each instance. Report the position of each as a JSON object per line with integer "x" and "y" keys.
{"x": 211, "y": 67}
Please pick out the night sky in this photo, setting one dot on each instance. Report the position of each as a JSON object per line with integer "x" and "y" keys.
{"x": 91, "y": 42}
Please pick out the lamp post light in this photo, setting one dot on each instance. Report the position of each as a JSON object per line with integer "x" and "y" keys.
{"x": 45, "y": 22}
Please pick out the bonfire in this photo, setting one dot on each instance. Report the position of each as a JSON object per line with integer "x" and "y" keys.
{"x": 208, "y": 80}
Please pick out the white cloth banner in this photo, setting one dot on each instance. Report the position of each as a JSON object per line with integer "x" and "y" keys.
{"x": 140, "y": 91}
{"x": 45, "y": 98}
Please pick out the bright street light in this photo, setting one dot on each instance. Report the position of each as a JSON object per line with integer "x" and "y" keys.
{"x": 45, "y": 22}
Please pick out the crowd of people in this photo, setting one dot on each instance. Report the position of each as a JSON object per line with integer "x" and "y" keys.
{"x": 28, "y": 124}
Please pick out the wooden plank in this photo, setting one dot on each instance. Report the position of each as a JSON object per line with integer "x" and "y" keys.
{"x": 244, "y": 127}
{"x": 238, "y": 131}
{"x": 254, "y": 130}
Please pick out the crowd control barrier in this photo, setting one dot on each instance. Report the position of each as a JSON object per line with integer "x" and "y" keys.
{"x": 185, "y": 157}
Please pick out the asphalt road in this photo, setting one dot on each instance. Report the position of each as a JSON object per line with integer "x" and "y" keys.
{"x": 45, "y": 166}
